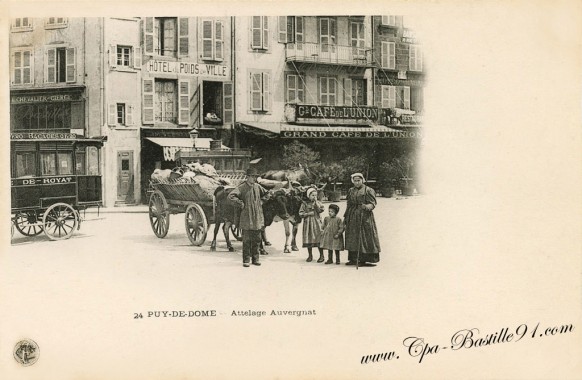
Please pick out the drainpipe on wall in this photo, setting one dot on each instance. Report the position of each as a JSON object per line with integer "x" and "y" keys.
{"x": 233, "y": 78}
{"x": 103, "y": 106}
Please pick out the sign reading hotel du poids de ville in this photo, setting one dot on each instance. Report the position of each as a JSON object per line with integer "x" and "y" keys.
{"x": 188, "y": 68}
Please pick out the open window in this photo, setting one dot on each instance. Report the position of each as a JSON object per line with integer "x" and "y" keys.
{"x": 212, "y": 103}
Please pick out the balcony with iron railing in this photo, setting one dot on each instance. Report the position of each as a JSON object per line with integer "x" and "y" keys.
{"x": 330, "y": 54}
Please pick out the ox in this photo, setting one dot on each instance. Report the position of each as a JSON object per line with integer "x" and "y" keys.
{"x": 283, "y": 205}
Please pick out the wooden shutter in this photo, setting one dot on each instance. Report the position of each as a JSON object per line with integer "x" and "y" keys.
{"x": 183, "y": 36}
{"x": 392, "y": 96}
{"x": 207, "y": 39}
{"x": 51, "y": 65}
{"x": 113, "y": 56}
{"x": 112, "y": 114}
{"x": 347, "y": 92}
{"x": 418, "y": 58}
{"x": 128, "y": 114}
{"x": 398, "y": 21}
{"x": 406, "y": 97}
{"x": 70, "y": 69}
{"x": 137, "y": 58}
{"x": 392, "y": 55}
{"x": 228, "y": 103}
{"x": 298, "y": 30}
{"x": 385, "y": 20}
{"x": 265, "y": 32}
{"x": 385, "y": 97}
{"x": 218, "y": 41}
{"x": 385, "y": 54}
{"x": 266, "y": 91}
{"x": 148, "y": 32}
{"x": 27, "y": 67}
{"x": 255, "y": 87}
{"x": 256, "y": 35}
{"x": 282, "y": 34}
{"x": 412, "y": 58}
{"x": 148, "y": 101}
{"x": 184, "y": 102}
{"x": 17, "y": 65}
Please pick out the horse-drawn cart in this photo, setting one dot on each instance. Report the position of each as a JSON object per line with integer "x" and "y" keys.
{"x": 194, "y": 196}
{"x": 53, "y": 177}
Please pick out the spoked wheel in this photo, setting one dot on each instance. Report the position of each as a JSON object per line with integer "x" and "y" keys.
{"x": 27, "y": 224}
{"x": 159, "y": 214}
{"x": 196, "y": 224}
{"x": 59, "y": 221}
{"x": 236, "y": 232}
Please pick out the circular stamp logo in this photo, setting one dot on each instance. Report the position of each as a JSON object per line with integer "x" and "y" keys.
{"x": 26, "y": 352}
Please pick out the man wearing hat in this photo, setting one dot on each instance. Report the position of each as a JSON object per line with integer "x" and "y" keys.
{"x": 361, "y": 234}
{"x": 248, "y": 196}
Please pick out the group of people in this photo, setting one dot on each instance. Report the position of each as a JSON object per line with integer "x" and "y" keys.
{"x": 358, "y": 224}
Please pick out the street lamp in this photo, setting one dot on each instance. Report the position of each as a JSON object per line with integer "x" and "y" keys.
{"x": 193, "y": 136}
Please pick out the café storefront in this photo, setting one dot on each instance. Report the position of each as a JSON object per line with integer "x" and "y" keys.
{"x": 335, "y": 132}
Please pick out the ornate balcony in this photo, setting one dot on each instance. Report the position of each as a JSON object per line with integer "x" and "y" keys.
{"x": 329, "y": 54}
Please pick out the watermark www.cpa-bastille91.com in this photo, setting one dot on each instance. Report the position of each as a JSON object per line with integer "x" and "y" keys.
{"x": 417, "y": 347}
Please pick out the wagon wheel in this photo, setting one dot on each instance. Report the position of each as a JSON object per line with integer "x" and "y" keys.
{"x": 59, "y": 221}
{"x": 26, "y": 225}
{"x": 159, "y": 214}
{"x": 236, "y": 232}
{"x": 196, "y": 224}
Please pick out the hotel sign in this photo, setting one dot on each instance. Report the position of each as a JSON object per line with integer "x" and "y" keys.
{"x": 187, "y": 68}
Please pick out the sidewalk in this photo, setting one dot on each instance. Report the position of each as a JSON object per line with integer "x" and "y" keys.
{"x": 125, "y": 209}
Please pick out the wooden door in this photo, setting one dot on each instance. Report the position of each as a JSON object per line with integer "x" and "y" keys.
{"x": 125, "y": 176}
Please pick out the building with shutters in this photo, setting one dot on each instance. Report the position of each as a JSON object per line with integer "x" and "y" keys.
{"x": 314, "y": 79}
{"x": 186, "y": 83}
{"x": 55, "y": 87}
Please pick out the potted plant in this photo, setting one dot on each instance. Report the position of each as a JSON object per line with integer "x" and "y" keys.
{"x": 389, "y": 176}
{"x": 333, "y": 172}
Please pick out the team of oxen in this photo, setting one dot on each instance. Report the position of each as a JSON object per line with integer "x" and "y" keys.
{"x": 287, "y": 188}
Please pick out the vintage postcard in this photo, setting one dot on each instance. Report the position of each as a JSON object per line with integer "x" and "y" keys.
{"x": 291, "y": 190}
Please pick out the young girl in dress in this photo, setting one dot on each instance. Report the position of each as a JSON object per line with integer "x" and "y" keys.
{"x": 332, "y": 237}
{"x": 310, "y": 212}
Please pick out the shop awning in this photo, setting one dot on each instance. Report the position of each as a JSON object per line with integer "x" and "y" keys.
{"x": 171, "y": 145}
{"x": 267, "y": 129}
{"x": 175, "y": 142}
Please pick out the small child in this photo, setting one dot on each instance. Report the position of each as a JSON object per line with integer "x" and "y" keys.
{"x": 310, "y": 211}
{"x": 332, "y": 236}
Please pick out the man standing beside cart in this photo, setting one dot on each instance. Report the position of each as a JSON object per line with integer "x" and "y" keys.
{"x": 248, "y": 196}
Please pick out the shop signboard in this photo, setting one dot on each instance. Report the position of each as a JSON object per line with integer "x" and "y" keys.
{"x": 188, "y": 68}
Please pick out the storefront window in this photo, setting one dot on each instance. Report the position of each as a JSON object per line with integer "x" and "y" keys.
{"x": 80, "y": 162}
{"x": 41, "y": 116}
{"x": 65, "y": 160}
{"x": 48, "y": 163}
{"x": 92, "y": 160}
{"x": 25, "y": 164}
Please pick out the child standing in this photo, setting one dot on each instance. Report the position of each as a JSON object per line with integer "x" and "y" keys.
{"x": 332, "y": 237}
{"x": 310, "y": 211}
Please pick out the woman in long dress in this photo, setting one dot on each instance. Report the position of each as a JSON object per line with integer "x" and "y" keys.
{"x": 361, "y": 233}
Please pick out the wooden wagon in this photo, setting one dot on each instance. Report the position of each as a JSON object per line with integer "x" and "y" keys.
{"x": 53, "y": 177}
{"x": 196, "y": 202}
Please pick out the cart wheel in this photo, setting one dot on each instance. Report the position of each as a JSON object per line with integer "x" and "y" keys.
{"x": 60, "y": 221}
{"x": 236, "y": 232}
{"x": 26, "y": 225}
{"x": 159, "y": 214}
{"x": 196, "y": 224}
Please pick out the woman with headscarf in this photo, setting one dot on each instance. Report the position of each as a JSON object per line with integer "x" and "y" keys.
{"x": 361, "y": 234}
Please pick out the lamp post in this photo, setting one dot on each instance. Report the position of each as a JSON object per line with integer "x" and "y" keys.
{"x": 193, "y": 136}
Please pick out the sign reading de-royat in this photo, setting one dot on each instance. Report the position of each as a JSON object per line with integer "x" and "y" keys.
{"x": 188, "y": 68}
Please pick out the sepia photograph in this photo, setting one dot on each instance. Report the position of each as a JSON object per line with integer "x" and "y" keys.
{"x": 240, "y": 192}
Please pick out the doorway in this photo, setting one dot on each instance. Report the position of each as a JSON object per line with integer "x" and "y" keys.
{"x": 125, "y": 176}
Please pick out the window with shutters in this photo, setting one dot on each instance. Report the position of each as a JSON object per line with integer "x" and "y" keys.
{"x": 357, "y": 39}
{"x": 416, "y": 99}
{"x": 212, "y": 104}
{"x": 124, "y": 56}
{"x": 56, "y": 22}
{"x": 295, "y": 88}
{"x": 21, "y": 24}
{"x": 388, "y": 55}
{"x": 415, "y": 58}
{"x": 60, "y": 65}
{"x": 22, "y": 72}
{"x": 259, "y": 33}
{"x": 212, "y": 40}
{"x": 327, "y": 91}
{"x": 165, "y": 36}
{"x": 327, "y": 34}
{"x": 259, "y": 91}
{"x": 291, "y": 29}
{"x": 166, "y": 101}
